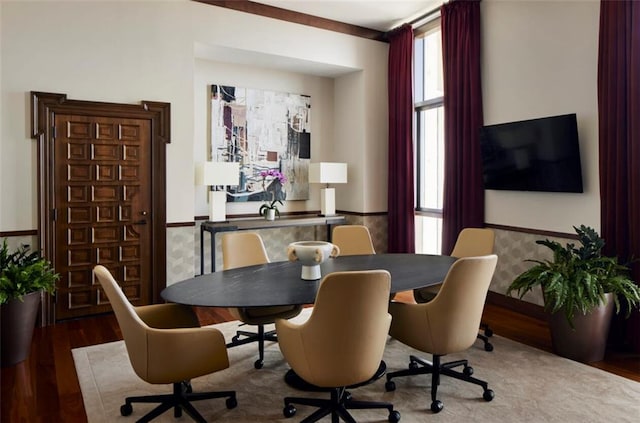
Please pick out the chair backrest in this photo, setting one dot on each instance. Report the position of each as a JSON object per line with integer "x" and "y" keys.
{"x": 344, "y": 338}
{"x": 352, "y": 240}
{"x": 473, "y": 242}
{"x": 241, "y": 249}
{"x": 455, "y": 313}
{"x": 448, "y": 323}
{"x": 134, "y": 329}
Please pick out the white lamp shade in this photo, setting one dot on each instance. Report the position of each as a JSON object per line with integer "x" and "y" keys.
{"x": 327, "y": 173}
{"x": 218, "y": 173}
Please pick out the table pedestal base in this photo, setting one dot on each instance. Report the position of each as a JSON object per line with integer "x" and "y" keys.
{"x": 292, "y": 379}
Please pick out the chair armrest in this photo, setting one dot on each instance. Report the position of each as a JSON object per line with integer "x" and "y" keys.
{"x": 181, "y": 354}
{"x": 168, "y": 316}
{"x": 291, "y": 343}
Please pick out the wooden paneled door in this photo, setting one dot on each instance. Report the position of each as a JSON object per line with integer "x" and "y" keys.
{"x": 102, "y": 212}
{"x": 102, "y": 199}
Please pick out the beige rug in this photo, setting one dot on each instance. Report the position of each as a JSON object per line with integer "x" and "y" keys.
{"x": 530, "y": 386}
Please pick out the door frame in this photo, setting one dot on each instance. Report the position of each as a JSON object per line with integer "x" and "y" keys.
{"x": 44, "y": 107}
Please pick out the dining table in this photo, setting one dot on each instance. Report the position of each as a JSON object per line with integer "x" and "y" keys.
{"x": 280, "y": 283}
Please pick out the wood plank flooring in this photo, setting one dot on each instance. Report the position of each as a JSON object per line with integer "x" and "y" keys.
{"x": 44, "y": 388}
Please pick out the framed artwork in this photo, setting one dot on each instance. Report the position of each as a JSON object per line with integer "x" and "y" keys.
{"x": 269, "y": 134}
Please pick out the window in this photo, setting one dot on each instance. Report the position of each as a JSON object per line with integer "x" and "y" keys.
{"x": 429, "y": 122}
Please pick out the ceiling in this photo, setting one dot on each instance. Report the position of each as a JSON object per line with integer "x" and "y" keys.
{"x": 381, "y": 15}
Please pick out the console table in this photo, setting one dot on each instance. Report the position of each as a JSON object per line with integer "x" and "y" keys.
{"x": 242, "y": 224}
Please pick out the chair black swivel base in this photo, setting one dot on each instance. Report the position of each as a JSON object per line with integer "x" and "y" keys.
{"x": 258, "y": 337}
{"x": 418, "y": 366}
{"x": 179, "y": 400}
{"x": 338, "y": 406}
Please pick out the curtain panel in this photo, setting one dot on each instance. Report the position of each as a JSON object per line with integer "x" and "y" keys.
{"x": 401, "y": 223}
{"x": 463, "y": 204}
{"x": 619, "y": 145}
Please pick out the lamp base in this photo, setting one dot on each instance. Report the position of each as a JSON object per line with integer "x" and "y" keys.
{"x": 217, "y": 206}
{"x": 327, "y": 202}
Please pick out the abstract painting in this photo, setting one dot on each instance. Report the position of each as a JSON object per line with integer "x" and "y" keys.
{"x": 268, "y": 133}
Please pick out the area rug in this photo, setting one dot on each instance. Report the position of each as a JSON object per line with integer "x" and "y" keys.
{"x": 530, "y": 386}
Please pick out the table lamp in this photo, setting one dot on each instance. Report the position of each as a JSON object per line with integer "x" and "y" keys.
{"x": 215, "y": 175}
{"x": 327, "y": 173}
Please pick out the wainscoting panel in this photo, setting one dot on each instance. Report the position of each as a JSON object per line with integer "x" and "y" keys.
{"x": 180, "y": 253}
{"x": 13, "y": 242}
{"x": 513, "y": 248}
{"x": 183, "y": 243}
{"x": 275, "y": 241}
{"x": 377, "y": 225}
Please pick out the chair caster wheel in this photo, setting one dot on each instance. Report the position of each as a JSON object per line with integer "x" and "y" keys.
{"x": 231, "y": 402}
{"x": 488, "y": 395}
{"x": 289, "y": 411}
{"x": 394, "y": 417}
{"x": 390, "y": 386}
{"x": 126, "y": 410}
{"x": 437, "y": 406}
{"x": 488, "y": 347}
{"x": 488, "y": 333}
{"x": 413, "y": 365}
{"x": 258, "y": 364}
{"x": 467, "y": 371}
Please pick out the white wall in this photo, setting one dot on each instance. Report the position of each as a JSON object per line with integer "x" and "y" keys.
{"x": 539, "y": 58}
{"x": 126, "y": 52}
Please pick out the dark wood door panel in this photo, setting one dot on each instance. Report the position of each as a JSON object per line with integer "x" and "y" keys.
{"x": 102, "y": 176}
{"x": 104, "y": 143}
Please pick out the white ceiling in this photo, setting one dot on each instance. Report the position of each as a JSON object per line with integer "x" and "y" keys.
{"x": 382, "y": 15}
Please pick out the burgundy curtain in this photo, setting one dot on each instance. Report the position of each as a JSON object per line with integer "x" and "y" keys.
{"x": 463, "y": 186}
{"x": 619, "y": 144}
{"x": 401, "y": 225}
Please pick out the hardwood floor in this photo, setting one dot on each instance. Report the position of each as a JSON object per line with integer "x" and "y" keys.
{"x": 44, "y": 388}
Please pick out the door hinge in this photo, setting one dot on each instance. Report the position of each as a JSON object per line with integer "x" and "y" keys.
{"x": 54, "y": 132}
{"x": 54, "y": 214}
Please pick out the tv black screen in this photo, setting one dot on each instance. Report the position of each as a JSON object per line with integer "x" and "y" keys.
{"x": 532, "y": 155}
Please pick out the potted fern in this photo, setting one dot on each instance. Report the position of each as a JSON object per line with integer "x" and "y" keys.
{"x": 24, "y": 275}
{"x": 580, "y": 287}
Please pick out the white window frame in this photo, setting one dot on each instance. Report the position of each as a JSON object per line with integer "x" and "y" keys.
{"x": 428, "y": 213}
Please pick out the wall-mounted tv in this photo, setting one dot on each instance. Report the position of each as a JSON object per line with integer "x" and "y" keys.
{"x": 532, "y": 155}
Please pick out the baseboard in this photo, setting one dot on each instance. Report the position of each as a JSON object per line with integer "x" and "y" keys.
{"x": 523, "y": 307}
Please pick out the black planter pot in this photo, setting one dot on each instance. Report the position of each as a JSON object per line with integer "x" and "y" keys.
{"x": 588, "y": 341}
{"x": 18, "y": 319}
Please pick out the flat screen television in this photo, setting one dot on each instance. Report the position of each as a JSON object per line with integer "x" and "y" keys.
{"x": 532, "y": 155}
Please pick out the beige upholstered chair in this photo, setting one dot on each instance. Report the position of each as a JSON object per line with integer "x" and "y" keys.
{"x": 166, "y": 345}
{"x": 471, "y": 242}
{"x": 445, "y": 325}
{"x": 352, "y": 240}
{"x": 241, "y": 249}
{"x": 340, "y": 346}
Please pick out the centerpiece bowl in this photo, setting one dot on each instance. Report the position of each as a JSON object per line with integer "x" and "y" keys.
{"x": 311, "y": 255}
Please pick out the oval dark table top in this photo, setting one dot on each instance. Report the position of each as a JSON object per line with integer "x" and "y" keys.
{"x": 279, "y": 283}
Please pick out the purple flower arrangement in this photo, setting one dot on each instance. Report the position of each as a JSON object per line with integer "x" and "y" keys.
{"x": 276, "y": 174}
